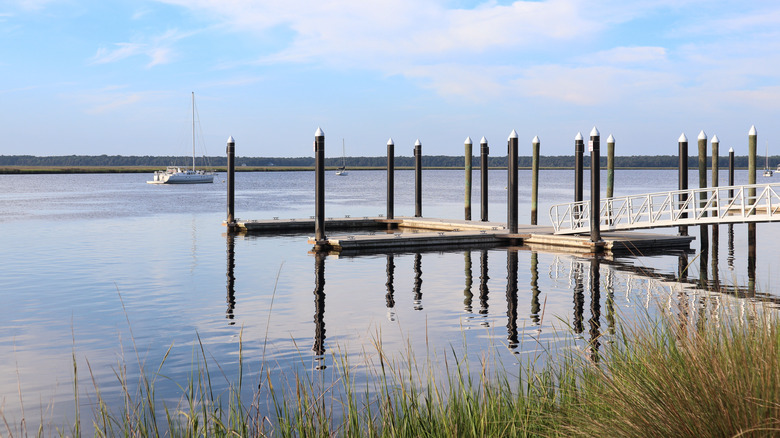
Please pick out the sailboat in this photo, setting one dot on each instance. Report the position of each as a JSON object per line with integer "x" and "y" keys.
{"x": 767, "y": 170}
{"x": 178, "y": 175}
{"x": 342, "y": 171}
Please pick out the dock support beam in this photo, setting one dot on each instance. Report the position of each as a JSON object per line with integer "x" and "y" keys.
{"x": 484, "y": 151}
{"x": 390, "y": 181}
{"x": 682, "y": 178}
{"x": 511, "y": 221}
{"x": 595, "y": 185}
{"x": 319, "y": 186}
{"x": 231, "y": 183}
{"x": 534, "y": 180}
{"x": 417, "y": 179}
{"x": 467, "y": 165}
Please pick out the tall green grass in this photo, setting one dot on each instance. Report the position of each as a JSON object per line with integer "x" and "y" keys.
{"x": 655, "y": 377}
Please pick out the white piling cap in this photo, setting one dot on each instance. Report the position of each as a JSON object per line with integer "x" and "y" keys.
{"x": 417, "y": 143}
{"x": 578, "y": 137}
{"x": 535, "y": 140}
{"x": 682, "y": 139}
{"x": 753, "y": 130}
{"x": 484, "y": 140}
{"x": 715, "y": 139}
{"x": 611, "y": 139}
{"x": 230, "y": 140}
{"x": 731, "y": 150}
{"x": 319, "y": 133}
{"x": 512, "y": 135}
{"x": 594, "y": 132}
{"x": 468, "y": 140}
{"x": 390, "y": 142}
{"x": 702, "y": 135}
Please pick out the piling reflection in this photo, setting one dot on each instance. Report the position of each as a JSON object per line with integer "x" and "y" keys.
{"x": 511, "y": 298}
{"x": 751, "y": 267}
{"x": 390, "y": 295}
{"x": 535, "y": 306}
{"x": 579, "y": 298}
{"x": 418, "y": 281}
{"x": 610, "y": 304}
{"x": 483, "y": 285}
{"x": 595, "y": 308}
{"x": 714, "y": 257}
{"x": 730, "y": 258}
{"x": 704, "y": 259}
{"x": 682, "y": 267}
{"x": 231, "y": 279}
{"x": 319, "y": 311}
{"x": 467, "y": 295}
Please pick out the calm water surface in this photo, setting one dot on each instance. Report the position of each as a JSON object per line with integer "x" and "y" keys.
{"x": 117, "y": 271}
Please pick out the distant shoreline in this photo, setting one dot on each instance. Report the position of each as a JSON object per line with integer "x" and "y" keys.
{"x": 40, "y": 170}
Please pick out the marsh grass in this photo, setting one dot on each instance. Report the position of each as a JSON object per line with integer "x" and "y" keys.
{"x": 655, "y": 377}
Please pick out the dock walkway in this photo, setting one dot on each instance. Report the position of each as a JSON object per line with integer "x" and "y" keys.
{"x": 376, "y": 234}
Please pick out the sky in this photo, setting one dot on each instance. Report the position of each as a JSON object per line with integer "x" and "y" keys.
{"x": 92, "y": 77}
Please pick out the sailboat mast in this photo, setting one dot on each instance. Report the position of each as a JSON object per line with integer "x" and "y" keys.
{"x": 193, "y": 131}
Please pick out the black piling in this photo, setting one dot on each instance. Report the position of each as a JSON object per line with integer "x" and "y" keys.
{"x": 319, "y": 183}
{"x": 594, "y": 145}
{"x": 390, "y": 175}
{"x": 467, "y": 165}
{"x": 418, "y": 179}
{"x": 484, "y": 150}
{"x": 231, "y": 183}
{"x": 682, "y": 178}
{"x": 731, "y": 173}
{"x": 534, "y": 179}
{"x": 511, "y": 221}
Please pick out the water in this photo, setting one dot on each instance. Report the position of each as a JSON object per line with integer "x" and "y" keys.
{"x": 116, "y": 272}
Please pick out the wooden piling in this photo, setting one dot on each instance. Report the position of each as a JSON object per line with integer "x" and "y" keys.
{"x": 731, "y": 173}
{"x": 594, "y": 145}
{"x": 534, "y": 180}
{"x": 319, "y": 186}
{"x": 390, "y": 175}
{"x": 610, "y": 166}
{"x": 467, "y": 165}
{"x": 417, "y": 179}
{"x": 703, "y": 229}
{"x": 231, "y": 183}
{"x": 483, "y": 175}
{"x": 512, "y": 183}
{"x": 715, "y": 183}
{"x": 752, "y": 143}
{"x": 579, "y": 150}
{"x": 682, "y": 177}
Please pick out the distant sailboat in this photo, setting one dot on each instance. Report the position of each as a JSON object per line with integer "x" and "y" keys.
{"x": 767, "y": 170}
{"x": 342, "y": 171}
{"x": 177, "y": 175}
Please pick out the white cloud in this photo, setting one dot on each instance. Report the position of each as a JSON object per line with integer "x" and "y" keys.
{"x": 121, "y": 51}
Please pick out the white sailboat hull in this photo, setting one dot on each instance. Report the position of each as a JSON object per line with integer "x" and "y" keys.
{"x": 175, "y": 175}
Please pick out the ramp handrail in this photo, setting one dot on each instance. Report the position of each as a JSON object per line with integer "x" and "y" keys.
{"x": 712, "y": 205}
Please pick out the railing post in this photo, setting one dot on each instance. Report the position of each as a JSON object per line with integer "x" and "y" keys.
{"x": 319, "y": 186}
{"x": 682, "y": 181}
{"x": 417, "y": 179}
{"x": 390, "y": 175}
{"x": 512, "y": 182}
{"x": 483, "y": 175}
{"x": 467, "y": 165}
{"x": 703, "y": 229}
{"x": 595, "y": 185}
{"x": 534, "y": 180}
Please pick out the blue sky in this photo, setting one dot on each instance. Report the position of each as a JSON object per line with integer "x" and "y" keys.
{"x": 114, "y": 77}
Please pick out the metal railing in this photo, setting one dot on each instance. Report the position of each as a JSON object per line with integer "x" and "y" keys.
{"x": 712, "y": 205}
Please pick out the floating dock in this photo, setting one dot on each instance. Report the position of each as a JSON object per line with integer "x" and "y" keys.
{"x": 378, "y": 234}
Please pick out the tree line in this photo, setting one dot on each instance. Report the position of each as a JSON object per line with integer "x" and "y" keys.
{"x": 443, "y": 161}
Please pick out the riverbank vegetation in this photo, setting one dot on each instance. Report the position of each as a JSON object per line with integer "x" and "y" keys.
{"x": 656, "y": 377}
{"x": 120, "y": 163}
